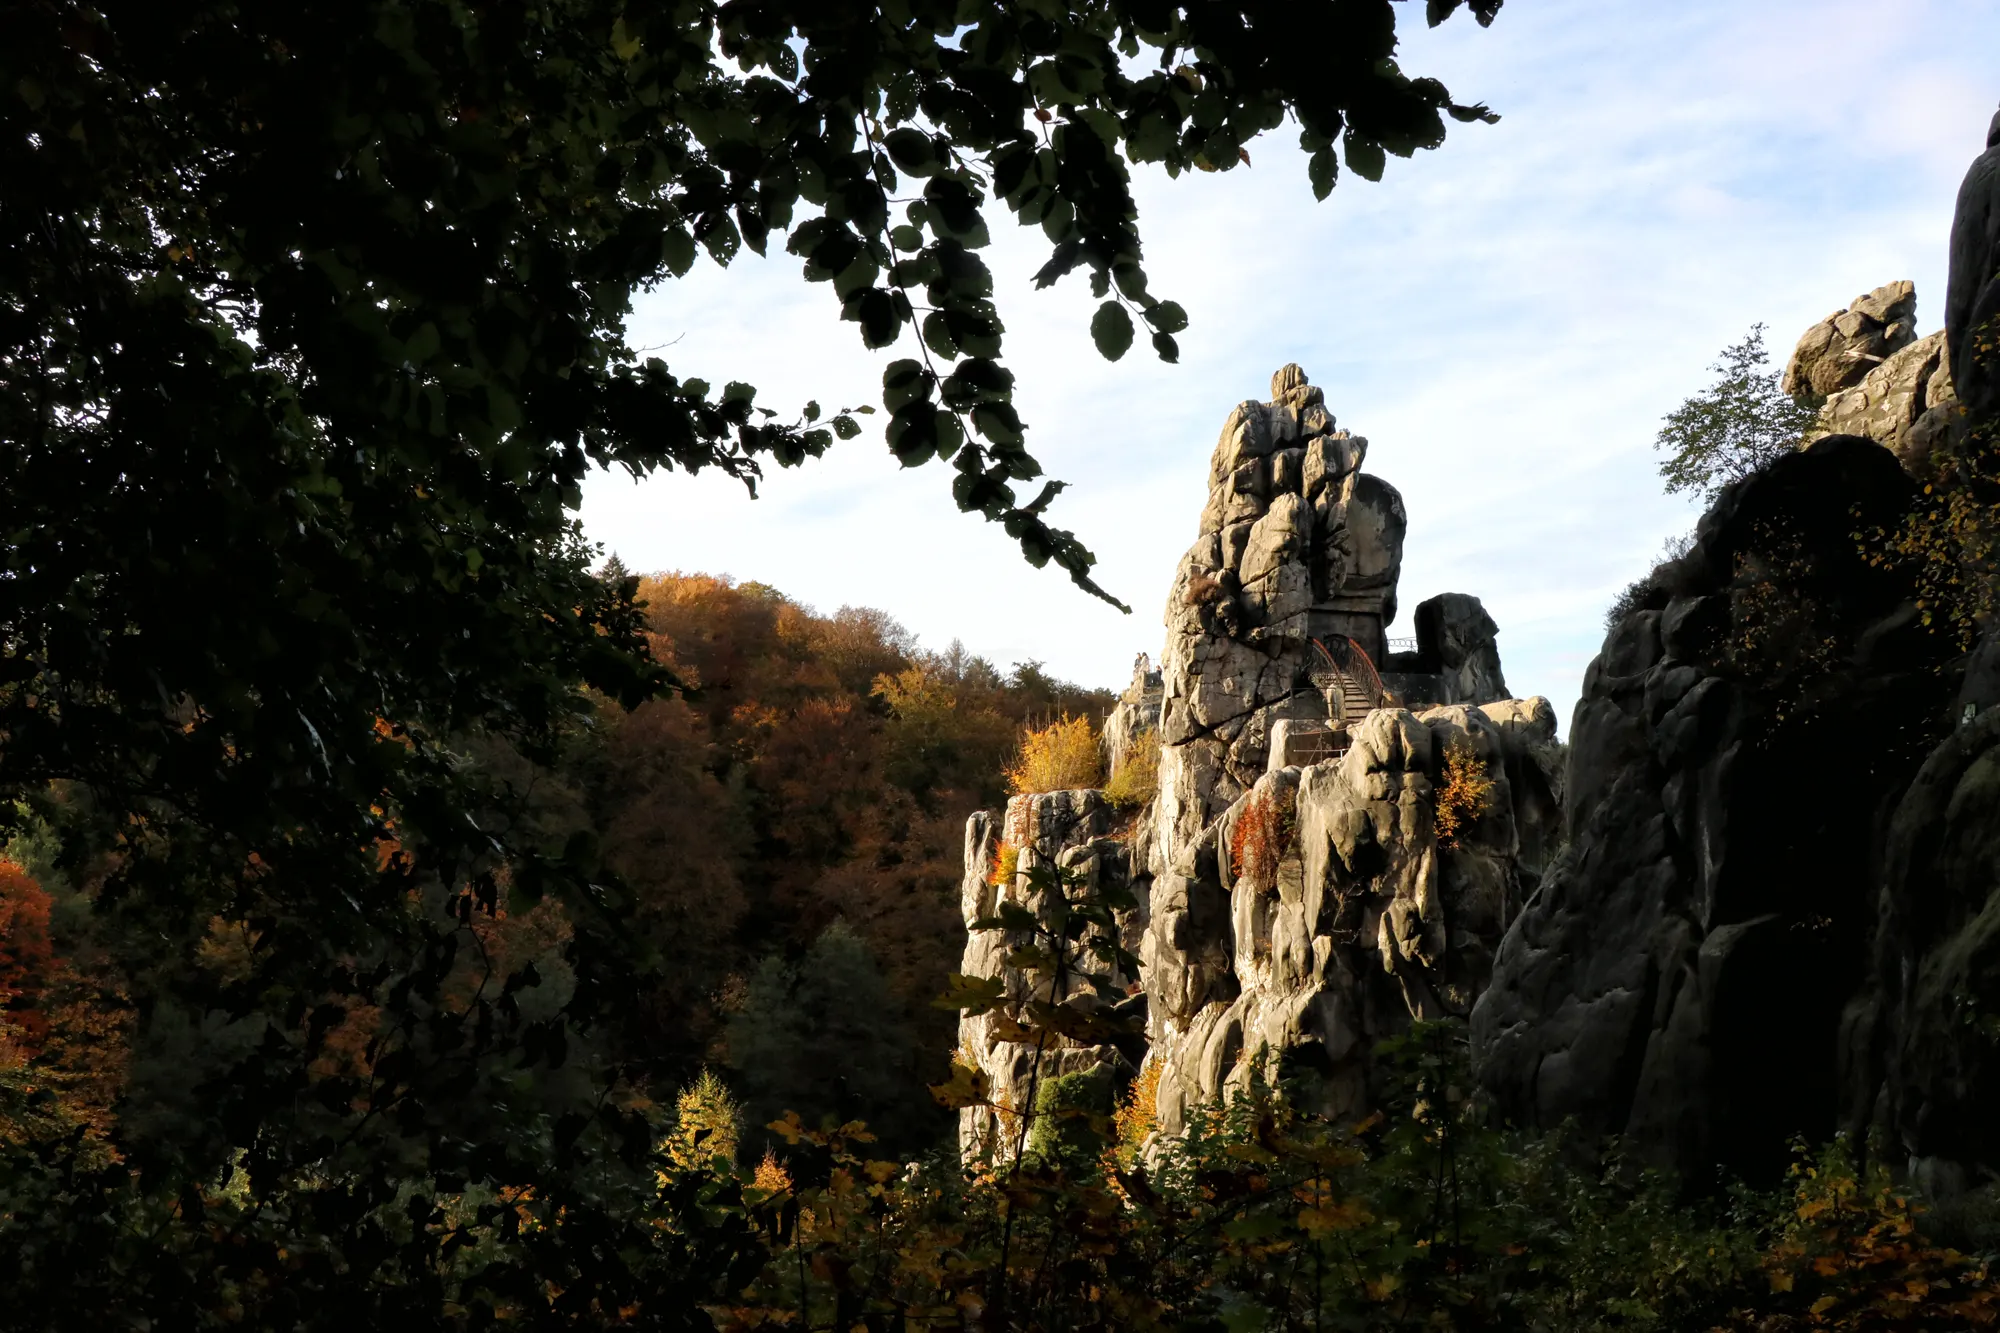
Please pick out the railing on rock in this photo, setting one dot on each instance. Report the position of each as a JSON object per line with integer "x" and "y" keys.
{"x": 1346, "y": 676}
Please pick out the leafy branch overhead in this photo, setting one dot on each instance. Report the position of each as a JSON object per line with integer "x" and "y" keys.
{"x": 1041, "y": 108}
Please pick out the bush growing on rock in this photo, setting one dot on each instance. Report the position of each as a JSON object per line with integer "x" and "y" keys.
{"x": 1256, "y": 842}
{"x": 1463, "y": 792}
{"x": 1137, "y": 780}
{"x": 1062, "y": 756}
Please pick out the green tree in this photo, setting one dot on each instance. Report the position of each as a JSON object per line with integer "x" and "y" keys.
{"x": 825, "y": 1037}
{"x": 312, "y": 322}
{"x": 1735, "y": 426}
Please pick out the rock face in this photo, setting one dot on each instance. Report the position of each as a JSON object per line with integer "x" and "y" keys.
{"x": 1136, "y": 713}
{"x": 1070, "y": 829}
{"x": 1681, "y": 976}
{"x": 1922, "y": 1043}
{"x": 1972, "y": 294}
{"x": 1320, "y": 864}
{"x": 1322, "y": 910}
{"x": 1295, "y": 544}
{"x": 1906, "y": 403}
{"x": 1840, "y": 350}
{"x": 1457, "y": 658}
{"x": 1925, "y": 1042}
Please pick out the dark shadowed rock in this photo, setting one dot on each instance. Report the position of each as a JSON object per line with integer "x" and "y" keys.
{"x": 1680, "y": 976}
{"x": 1455, "y": 633}
{"x": 1972, "y": 293}
{"x": 1925, "y": 1042}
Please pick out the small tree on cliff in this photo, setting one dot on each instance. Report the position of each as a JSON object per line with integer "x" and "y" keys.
{"x": 1735, "y": 426}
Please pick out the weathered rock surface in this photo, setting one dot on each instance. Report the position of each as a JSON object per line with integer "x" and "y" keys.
{"x": 1925, "y": 1041}
{"x": 1296, "y": 899}
{"x": 1906, "y": 403}
{"x": 1073, "y": 830}
{"x": 1681, "y": 975}
{"x": 1840, "y": 350}
{"x": 1972, "y": 292}
{"x": 1457, "y": 658}
{"x": 1136, "y": 713}
{"x": 1321, "y": 913}
{"x": 1295, "y": 544}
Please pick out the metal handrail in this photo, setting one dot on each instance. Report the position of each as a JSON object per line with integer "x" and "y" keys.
{"x": 1367, "y": 677}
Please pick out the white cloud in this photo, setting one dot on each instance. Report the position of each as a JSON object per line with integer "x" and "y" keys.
{"x": 1506, "y": 319}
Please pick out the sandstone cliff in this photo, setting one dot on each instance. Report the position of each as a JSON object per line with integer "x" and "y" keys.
{"x": 1776, "y": 914}
{"x": 1320, "y": 863}
{"x": 1681, "y": 975}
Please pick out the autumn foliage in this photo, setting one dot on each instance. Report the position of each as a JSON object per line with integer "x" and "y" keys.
{"x": 821, "y": 770}
{"x": 1062, "y": 756}
{"x": 1259, "y": 838}
{"x": 1136, "y": 780}
{"x": 1462, "y": 794}
{"x": 27, "y": 963}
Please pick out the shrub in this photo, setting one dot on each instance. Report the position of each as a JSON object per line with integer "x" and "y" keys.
{"x": 771, "y": 1176}
{"x": 1851, "y": 1257}
{"x": 1137, "y": 1115}
{"x": 1137, "y": 780}
{"x": 1006, "y": 865}
{"x": 1463, "y": 794}
{"x": 1653, "y": 591}
{"x": 1071, "y": 1119}
{"x": 706, "y": 1124}
{"x": 1062, "y": 756}
{"x": 1258, "y": 840}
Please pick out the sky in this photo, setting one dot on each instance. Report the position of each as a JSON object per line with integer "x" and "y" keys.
{"x": 1506, "y": 319}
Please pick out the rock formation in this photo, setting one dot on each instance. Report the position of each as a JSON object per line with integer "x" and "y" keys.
{"x": 1879, "y": 380}
{"x": 1924, "y": 1057}
{"x": 1922, "y": 1042}
{"x": 1906, "y": 403}
{"x": 1322, "y": 910}
{"x": 1681, "y": 977}
{"x": 1137, "y": 712}
{"x": 1457, "y": 655}
{"x": 1840, "y": 350}
{"x": 1320, "y": 864}
{"x": 1972, "y": 292}
{"x": 1776, "y": 914}
{"x": 1075, "y": 831}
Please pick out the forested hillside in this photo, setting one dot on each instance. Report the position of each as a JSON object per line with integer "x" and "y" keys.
{"x": 820, "y": 772}
{"x": 787, "y": 831}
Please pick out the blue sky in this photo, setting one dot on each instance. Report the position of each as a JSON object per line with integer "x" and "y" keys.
{"x": 1506, "y": 319}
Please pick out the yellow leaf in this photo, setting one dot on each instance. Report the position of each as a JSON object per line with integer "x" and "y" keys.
{"x": 1334, "y": 1217}
{"x": 967, "y": 1086}
{"x": 1380, "y": 1288}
